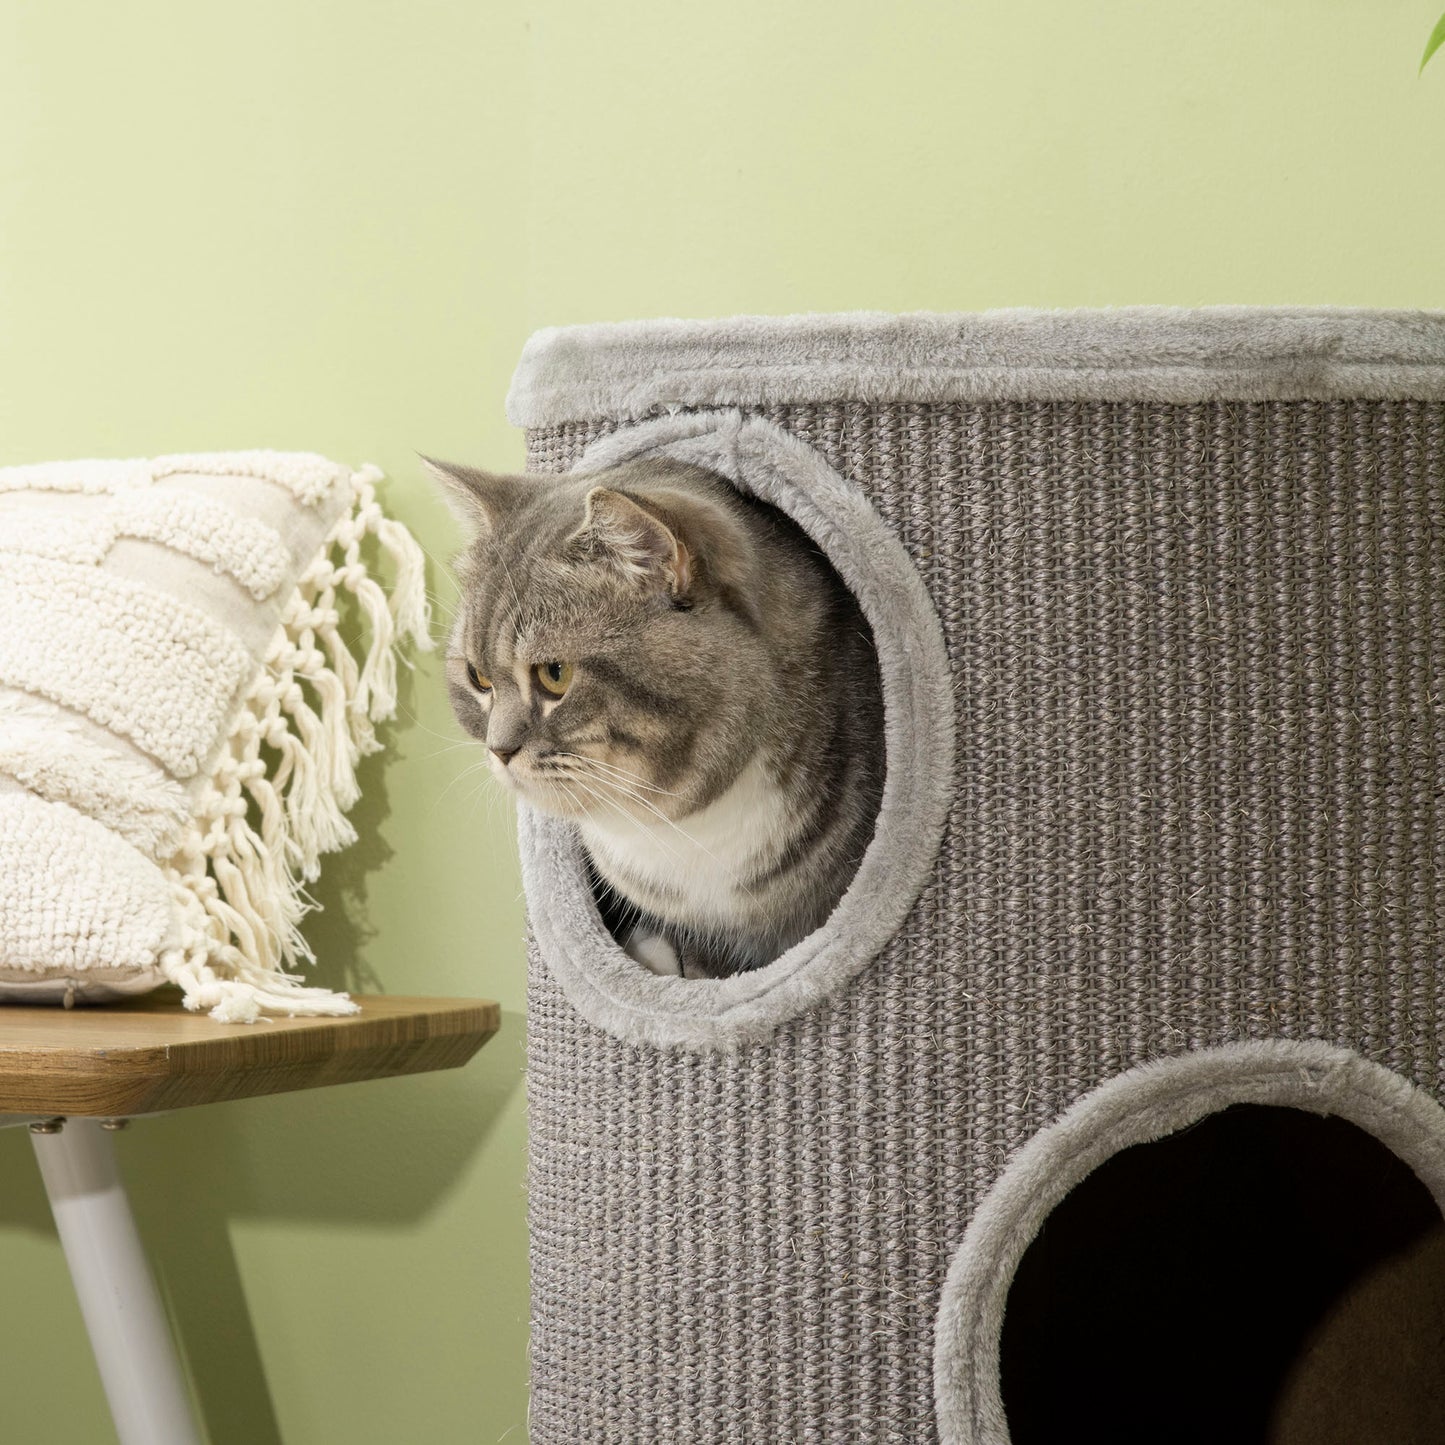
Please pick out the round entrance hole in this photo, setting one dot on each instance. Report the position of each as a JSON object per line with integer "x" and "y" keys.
{"x": 626, "y": 998}
{"x": 1266, "y": 1275}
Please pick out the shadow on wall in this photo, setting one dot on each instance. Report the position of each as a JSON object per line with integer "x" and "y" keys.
{"x": 341, "y": 927}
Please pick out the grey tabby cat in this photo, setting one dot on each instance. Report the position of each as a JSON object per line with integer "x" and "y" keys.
{"x": 676, "y": 667}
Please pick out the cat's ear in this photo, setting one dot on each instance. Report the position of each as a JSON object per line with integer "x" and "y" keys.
{"x": 635, "y": 539}
{"x": 477, "y": 498}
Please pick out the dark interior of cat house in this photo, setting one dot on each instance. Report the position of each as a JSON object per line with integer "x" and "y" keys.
{"x": 1266, "y": 1277}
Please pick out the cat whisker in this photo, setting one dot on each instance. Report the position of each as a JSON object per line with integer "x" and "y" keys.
{"x": 621, "y": 773}
{"x": 552, "y": 786}
{"x": 417, "y": 723}
{"x": 617, "y": 808}
{"x": 443, "y": 567}
{"x": 501, "y": 556}
{"x": 451, "y": 748}
{"x": 676, "y": 828}
{"x": 481, "y": 789}
{"x": 455, "y": 747}
{"x": 465, "y": 773}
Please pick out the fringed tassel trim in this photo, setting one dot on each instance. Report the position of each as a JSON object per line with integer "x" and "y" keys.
{"x": 278, "y": 792}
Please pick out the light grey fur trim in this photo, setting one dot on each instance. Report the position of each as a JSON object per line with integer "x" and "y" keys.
{"x": 1144, "y": 1104}
{"x": 619, "y": 995}
{"x": 637, "y": 369}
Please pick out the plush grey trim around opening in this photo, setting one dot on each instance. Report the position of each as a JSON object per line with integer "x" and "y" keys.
{"x": 619, "y": 995}
{"x": 1142, "y": 1105}
{"x": 637, "y": 369}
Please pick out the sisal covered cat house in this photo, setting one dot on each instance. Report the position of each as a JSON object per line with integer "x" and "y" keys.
{"x": 1145, "y": 957}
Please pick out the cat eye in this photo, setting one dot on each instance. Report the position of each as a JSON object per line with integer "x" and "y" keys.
{"x": 478, "y": 680}
{"x": 553, "y": 677}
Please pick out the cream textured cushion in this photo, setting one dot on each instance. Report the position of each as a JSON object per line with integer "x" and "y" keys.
{"x": 182, "y": 708}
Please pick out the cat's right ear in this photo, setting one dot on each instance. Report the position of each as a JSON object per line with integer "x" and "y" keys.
{"x": 478, "y": 499}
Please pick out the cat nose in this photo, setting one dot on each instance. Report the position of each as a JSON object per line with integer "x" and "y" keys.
{"x": 506, "y": 754}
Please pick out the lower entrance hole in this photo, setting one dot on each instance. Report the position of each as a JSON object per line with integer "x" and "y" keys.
{"x": 1266, "y": 1277}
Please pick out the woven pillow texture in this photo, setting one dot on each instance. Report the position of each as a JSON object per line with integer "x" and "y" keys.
{"x": 193, "y": 653}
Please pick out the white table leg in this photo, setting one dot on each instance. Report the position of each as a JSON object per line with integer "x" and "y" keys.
{"x": 123, "y": 1315}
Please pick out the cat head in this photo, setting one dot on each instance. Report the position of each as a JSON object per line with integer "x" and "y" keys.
{"x": 608, "y": 645}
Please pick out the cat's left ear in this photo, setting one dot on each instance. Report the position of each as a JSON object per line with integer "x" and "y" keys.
{"x": 635, "y": 539}
{"x": 478, "y": 499}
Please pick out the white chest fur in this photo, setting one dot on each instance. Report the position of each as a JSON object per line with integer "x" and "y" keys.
{"x": 695, "y": 868}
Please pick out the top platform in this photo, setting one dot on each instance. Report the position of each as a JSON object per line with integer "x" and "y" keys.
{"x": 630, "y": 370}
{"x": 150, "y": 1054}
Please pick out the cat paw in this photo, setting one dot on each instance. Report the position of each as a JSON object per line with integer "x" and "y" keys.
{"x": 654, "y": 953}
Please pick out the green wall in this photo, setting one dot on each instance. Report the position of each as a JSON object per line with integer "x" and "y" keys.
{"x": 331, "y": 226}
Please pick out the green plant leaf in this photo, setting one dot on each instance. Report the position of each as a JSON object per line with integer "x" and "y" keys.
{"x": 1436, "y": 40}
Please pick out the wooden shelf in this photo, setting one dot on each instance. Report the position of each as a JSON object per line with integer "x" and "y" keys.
{"x": 150, "y": 1054}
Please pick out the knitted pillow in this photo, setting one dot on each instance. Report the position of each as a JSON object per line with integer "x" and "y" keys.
{"x": 192, "y": 653}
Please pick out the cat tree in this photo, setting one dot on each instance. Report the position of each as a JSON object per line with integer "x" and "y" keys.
{"x": 1159, "y": 600}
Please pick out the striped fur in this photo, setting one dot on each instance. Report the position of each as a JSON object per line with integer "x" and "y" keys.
{"x": 720, "y": 742}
